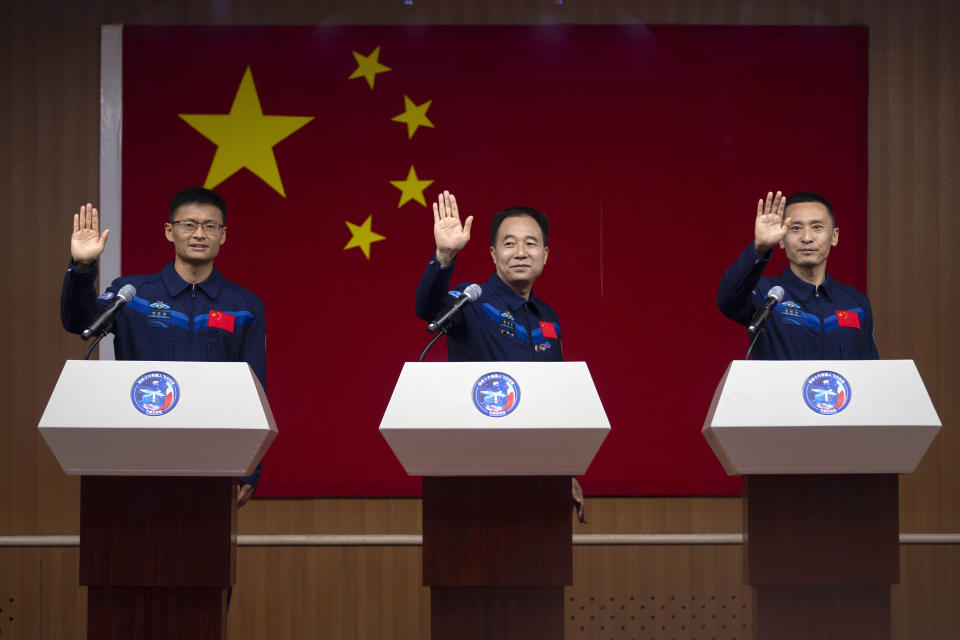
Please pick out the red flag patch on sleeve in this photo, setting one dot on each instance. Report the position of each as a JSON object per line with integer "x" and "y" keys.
{"x": 548, "y": 329}
{"x": 848, "y": 319}
{"x": 221, "y": 320}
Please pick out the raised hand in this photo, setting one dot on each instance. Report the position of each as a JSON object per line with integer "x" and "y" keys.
{"x": 450, "y": 236}
{"x": 87, "y": 243}
{"x": 770, "y": 227}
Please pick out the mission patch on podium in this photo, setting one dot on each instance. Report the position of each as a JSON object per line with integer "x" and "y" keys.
{"x": 826, "y": 392}
{"x": 155, "y": 393}
{"x": 496, "y": 394}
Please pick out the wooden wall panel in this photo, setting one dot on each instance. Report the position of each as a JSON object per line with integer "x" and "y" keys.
{"x": 49, "y": 79}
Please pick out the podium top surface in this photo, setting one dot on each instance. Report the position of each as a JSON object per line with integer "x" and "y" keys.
{"x": 821, "y": 416}
{"x": 135, "y": 417}
{"x": 495, "y": 418}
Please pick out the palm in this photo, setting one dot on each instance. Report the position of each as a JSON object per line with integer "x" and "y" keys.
{"x": 87, "y": 243}
{"x": 769, "y": 227}
{"x": 449, "y": 234}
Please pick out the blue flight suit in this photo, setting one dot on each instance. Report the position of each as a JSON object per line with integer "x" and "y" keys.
{"x": 169, "y": 319}
{"x": 832, "y": 321}
{"x": 499, "y": 326}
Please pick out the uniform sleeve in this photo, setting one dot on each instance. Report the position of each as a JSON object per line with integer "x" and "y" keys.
{"x": 870, "y": 349}
{"x": 737, "y": 296}
{"x": 78, "y": 298}
{"x": 254, "y": 353}
{"x": 433, "y": 289}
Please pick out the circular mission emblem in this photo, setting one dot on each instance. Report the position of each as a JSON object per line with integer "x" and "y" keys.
{"x": 155, "y": 393}
{"x": 826, "y": 392}
{"x": 496, "y": 394}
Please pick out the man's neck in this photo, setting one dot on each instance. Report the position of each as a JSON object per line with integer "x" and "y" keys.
{"x": 522, "y": 291}
{"x": 814, "y": 274}
{"x": 191, "y": 272}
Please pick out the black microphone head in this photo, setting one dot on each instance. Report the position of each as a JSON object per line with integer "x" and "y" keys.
{"x": 127, "y": 292}
{"x": 776, "y": 293}
{"x": 473, "y": 292}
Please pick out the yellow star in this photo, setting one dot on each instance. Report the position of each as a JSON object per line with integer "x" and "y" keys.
{"x": 411, "y": 188}
{"x": 368, "y": 66}
{"x": 245, "y": 137}
{"x": 415, "y": 115}
{"x": 362, "y": 236}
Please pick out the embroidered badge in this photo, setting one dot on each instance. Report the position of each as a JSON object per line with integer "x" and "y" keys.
{"x": 496, "y": 394}
{"x": 221, "y": 320}
{"x": 159, "y": 315}
{"x": 548, "y": 329}
{"x": 543, "y": 346}
{"x": 789, "y": 312}
{"x": 848, "y": 319}
{"x": 508, "y": 325}
{"x": 107, "y": 295}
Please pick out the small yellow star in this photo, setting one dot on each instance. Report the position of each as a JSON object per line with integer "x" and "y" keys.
{"x": 368, "y": 66}
{"x": 415, "y": 115}
{"x": 411, "y": 188}
{"x": 362, "y": 236}
{"x": 245, "y": 137}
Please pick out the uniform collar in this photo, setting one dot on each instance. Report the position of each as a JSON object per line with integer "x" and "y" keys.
{"x": 803, "y": 290}
{"x": 176, "y": 285}
{"x": 512, "y": 300}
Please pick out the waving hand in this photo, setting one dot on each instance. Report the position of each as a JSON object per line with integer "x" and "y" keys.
{"x": 450, "y": 236}
{"x": 87, "y": 243}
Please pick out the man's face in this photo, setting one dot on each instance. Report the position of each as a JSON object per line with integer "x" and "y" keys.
{"x": 810, "y": 234}
{"x": 199, "y": 245}
{"x": 519, "y": 254}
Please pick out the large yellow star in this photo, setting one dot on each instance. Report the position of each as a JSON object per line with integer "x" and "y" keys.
{"x": 362, "y": 236}
{"x": 245, "y": 137}
{"x": 415, "y": 115}
{"x": 411, "y": 188}
{"x": 368, "y": 66}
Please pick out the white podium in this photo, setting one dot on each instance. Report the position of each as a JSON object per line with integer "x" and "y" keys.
{"x": 497, "y": 443}
{"x": 158, "y": 444}
{"x": 821, "y": 444}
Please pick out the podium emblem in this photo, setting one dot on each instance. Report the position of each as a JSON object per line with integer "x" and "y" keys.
{"x": 826, "y": 392}
{"x": 155, "y": 393}
{"x": 496, "y": 394}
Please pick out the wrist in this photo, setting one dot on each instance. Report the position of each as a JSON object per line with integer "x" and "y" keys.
{"x": 445, "y": 258}
{"x": 761, "y": 248}
{"x": 81, "y": 265}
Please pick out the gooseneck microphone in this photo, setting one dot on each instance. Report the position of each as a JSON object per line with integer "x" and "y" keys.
{"x": 101, "y": 323}
{"x": 774, "y": 297}
{"x": 470, "y": 294}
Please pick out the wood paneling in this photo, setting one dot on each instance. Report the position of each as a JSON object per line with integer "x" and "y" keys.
{"x": 49, "y": 57}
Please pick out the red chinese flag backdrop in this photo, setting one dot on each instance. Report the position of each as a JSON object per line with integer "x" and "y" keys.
{"x": 648, "y": 147}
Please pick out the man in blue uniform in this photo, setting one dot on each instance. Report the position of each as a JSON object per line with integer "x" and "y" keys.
{"x": 507, "y": 322}
{"x": 818, "y": 318}
{"x": 188, "y": 311}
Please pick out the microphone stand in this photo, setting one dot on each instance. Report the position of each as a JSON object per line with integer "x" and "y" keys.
{"x": 441, "y": 332}
{"x": 100, "y": 336}
{"x": 754, "y": 340}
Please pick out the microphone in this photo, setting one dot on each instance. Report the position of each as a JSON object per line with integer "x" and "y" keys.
{"x": 102, "y": 322}
{"x": 774, "y": 297}
{"x": 470, "y": 294}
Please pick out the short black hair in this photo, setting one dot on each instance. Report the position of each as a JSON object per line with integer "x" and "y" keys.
{"x": 512, "y": 212}
{"x": 197, "y": 195}
{"x": 810, "y": 196}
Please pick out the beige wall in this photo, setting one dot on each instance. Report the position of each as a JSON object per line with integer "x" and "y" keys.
{"x": 49, "y": 128}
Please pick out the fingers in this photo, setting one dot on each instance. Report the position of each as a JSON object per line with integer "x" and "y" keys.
{"x": 76, "y": 222}
{"x": 467, "y": 225}
{"x": 766, "y": 205}
{"x": 103, "y": 237}
{"x": 94, "y": 217}
{"x": 774, "y": 204}
{"x": 452, "y": 205}
{"x": 781, "y": 206}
